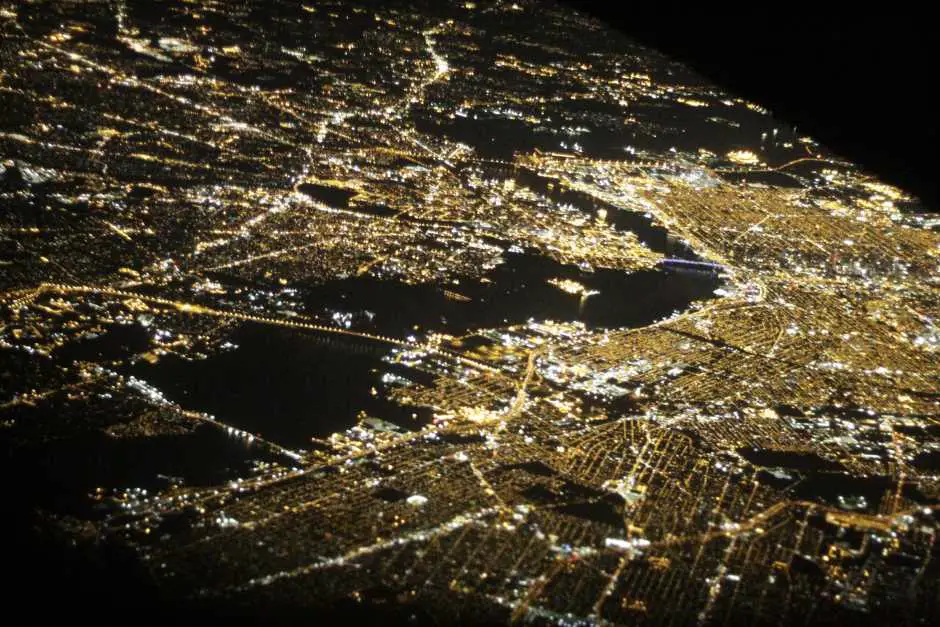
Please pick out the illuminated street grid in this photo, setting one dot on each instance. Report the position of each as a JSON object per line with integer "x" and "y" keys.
{"x": 186, "y": 171}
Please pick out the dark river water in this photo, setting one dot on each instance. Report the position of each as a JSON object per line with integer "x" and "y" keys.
{"x": 284, "y": 385}
{"x": 289, "y": 386}
{"x": 518, "y": 290}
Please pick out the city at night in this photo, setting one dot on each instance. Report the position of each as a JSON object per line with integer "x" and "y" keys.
{"x": 447, "y": 313}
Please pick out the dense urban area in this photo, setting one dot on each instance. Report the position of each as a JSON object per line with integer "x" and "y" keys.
{"x": 475, "y": 310}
